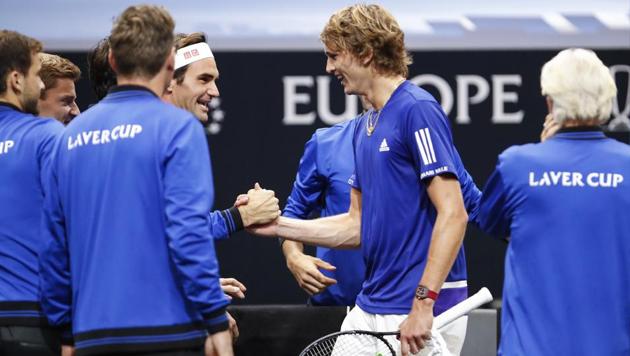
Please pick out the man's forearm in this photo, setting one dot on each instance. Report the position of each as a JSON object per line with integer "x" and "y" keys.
{"x": 339, "y": 231}
{"x": 291, "y": 247}
{"x": 446, "y": 240}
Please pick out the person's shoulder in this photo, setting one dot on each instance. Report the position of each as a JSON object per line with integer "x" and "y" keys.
{"x": 519, "y": 152}
{"x": 47, "y": 126}
{"x": 414, "y": 96}
{"x": 617, "y": 151}
{"x": 327, "y": 133}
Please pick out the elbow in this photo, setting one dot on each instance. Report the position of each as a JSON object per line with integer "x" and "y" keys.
{"x": 456, "y": 216}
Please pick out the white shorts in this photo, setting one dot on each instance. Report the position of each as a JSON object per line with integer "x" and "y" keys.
{"x": 357, "y": 319}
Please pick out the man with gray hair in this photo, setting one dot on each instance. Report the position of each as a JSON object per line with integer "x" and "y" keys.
{"x": 564, "y": 202}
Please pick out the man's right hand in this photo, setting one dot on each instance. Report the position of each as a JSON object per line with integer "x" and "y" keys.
{"x": 550, "y": 127}
{"x": 261, "y": 208}
{"x": 305, "y": 270}
{"x": 219, "y": 344}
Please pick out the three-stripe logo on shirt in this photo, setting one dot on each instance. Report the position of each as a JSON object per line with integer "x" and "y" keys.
{"x": 425, "y": 145}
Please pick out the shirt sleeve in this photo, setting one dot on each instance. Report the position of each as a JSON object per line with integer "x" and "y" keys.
{"x": 188, "y": 197}
{"x": 428, "y": 138}
{"x": 224, "y": 223}
{"x": 308, "y": 185}
{"x": 54, "y": 267}
{"x": 494, "y": 215}
{"x": 471, "y": 194}
{"x": 353, "y": 180}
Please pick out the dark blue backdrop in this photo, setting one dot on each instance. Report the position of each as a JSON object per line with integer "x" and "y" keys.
{"x": 271, "y": 102}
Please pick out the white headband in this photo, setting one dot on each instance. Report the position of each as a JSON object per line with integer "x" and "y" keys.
{"x": 192, "y": 53}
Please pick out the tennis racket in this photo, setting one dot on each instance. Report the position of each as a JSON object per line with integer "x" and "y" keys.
{"x": 363, "y": 342}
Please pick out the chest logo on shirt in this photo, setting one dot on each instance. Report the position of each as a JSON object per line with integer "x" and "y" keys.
{"x": 425, "y": 145}
{"x": 383, "y": 147}
{"x": 5, "y": 146}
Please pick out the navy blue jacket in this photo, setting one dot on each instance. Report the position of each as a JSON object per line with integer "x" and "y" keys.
{"x": 131, "y": 264}
{"x": 26, "y": 143}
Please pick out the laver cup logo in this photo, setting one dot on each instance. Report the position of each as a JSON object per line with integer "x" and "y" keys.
{"x": 620, "y": 121}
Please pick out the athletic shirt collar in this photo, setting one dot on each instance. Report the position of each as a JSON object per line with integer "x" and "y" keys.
{"x": 580, "y": 133}
{"x": 11, "y": 106}
{"x": 129, "y": 87}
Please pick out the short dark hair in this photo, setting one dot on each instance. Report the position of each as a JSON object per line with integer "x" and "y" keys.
{"x": 184, "y": 40}
{"x": 141, "y": 40}
{"x": 16, "y": 51}
{"x": 102, "y": 77}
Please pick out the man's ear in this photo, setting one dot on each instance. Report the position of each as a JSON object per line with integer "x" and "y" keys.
{"x": 169, "y": 88}
{"x": 112, "y": 61}
{"x": 368, "y": 57}
{"x": 15, "y": 81}
{"x": 549, "y": 105}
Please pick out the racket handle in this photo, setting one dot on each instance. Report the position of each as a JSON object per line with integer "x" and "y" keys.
{"x": 464, "y": 307}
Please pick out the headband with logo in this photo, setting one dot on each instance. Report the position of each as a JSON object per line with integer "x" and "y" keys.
{"x": 193, "y": 53}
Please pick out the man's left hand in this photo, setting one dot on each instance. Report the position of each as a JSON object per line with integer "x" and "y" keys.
{"x": 416, "y": 329}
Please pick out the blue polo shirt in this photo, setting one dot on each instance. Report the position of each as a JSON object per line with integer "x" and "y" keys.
{"x": 564, "y": 203}
{"x": 411, "y": 144}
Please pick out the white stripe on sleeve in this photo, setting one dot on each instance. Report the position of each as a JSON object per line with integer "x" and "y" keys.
{"x": 424, "y": 155}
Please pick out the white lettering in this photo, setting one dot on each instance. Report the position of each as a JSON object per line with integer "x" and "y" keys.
{"x": 86, "y": 135}
{"x": 292, "y": 98}
{"x": 99, "y": 137}
{"x": 463, "y": 82}
{"x": 124, "y": 131}
{"x": 576, "y": 179}
{"x": 115, "y": 133}
{"x": 96, "y": 137}
{"x": 545, "y": 180}
{"x": 6, "y": 145}
{"x": 135, "y": 129}
{"x": 555, "y": 177}
{"x": 105, "y": 136}
{"x": 500, "y": 97}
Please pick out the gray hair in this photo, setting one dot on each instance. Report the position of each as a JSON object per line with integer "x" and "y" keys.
{"x": 580, "y": 86}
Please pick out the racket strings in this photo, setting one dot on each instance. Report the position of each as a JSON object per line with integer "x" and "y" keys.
{"x": 349, "y": 344}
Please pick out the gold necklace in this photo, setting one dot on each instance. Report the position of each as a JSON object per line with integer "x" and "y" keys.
{"x": 370, "y": 123}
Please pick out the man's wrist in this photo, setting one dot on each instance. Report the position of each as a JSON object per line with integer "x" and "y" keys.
{"x": 423, "y": 292}
{"x": 241, "y": 212}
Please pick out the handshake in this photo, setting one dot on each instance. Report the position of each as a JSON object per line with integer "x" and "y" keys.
{"x": 257, "y": 207}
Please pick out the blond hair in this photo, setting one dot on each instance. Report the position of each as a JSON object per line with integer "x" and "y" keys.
{"x": 362, "y": 30}
{"x": 55, "y": 67}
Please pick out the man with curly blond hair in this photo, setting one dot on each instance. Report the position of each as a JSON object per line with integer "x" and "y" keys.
{"x": 407, "y": 209}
